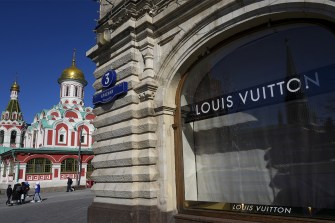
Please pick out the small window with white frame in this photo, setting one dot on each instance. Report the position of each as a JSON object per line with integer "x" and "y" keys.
{"x": 62, "y": 136}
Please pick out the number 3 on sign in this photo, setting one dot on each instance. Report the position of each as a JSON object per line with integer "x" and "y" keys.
{"x": 109, "y": 78}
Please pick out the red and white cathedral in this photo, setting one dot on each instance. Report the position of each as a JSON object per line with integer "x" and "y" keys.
{"x": 56, "y": 145}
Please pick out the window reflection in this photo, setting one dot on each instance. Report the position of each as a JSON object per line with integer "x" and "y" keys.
{"x": 281, "y": 152}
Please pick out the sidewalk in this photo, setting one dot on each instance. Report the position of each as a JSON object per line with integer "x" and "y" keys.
{"x": 55, "y": 207}
{"x": 48, "y": 189}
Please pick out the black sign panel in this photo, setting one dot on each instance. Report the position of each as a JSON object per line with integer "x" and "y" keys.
{"x": 293, "y": 87}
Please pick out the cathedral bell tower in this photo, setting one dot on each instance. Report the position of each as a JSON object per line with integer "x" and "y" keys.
{"x": 72, "y": 83}
{"x": 12, "y": 126}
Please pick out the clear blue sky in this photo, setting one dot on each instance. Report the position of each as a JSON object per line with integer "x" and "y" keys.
{"x": 36, "y": 45}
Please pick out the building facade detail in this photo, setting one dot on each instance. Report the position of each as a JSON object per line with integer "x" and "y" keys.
{"x": 155, "y": 162}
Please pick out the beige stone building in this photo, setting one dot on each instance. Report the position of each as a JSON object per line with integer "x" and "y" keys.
{"x": 221, "y": 111}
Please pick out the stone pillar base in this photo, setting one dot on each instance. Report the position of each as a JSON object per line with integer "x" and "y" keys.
{"x": 102, "y": 213}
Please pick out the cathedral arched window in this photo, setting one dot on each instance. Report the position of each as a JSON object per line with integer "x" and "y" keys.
{"x": 62, "y": 136}
{"x": 69, "y": 165}
{"x": 22, "y": 139}
{"x": 35, "y": 138}
{"x": 67, "y": 91}
{"x": 83, "y": 136}
{"x": 39, "y": 165}
{"x": 13, "y": 137}
{"x": 2, "y": 136}
{"x": 76, "y": 91}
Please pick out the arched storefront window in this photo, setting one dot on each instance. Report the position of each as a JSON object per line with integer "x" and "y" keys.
{"x": 13, "y": 137}
{"x": 39, "y": 165}
{"x": 2, "y": 136}
{"x": 258, "y": 125}
{"x": 69, "y": 165}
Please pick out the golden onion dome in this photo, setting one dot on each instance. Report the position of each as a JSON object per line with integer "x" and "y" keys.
{"x": 73, "y": 73}
{"x": 15, "y": 87}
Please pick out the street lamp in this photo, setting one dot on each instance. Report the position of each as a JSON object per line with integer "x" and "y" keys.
{"x": 79, "y": 157}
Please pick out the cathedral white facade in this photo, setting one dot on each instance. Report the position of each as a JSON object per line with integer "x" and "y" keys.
{"x": 56, "y": 145}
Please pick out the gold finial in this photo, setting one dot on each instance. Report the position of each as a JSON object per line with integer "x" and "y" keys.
{"x": 73, "y": 73}
{"x": 74, "y": 57}
{"x": 15, "y": 86}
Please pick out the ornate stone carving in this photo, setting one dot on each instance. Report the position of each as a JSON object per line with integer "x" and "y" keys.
{"x": 146, "y": 90}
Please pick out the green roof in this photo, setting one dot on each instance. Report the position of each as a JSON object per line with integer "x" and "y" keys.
{"x": 13, "y": 106}
{"x": 58, "y": 150}
{"x": 4, "y": 149}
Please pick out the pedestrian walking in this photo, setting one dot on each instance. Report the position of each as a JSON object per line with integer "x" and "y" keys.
{"x": 37, "y": 196}
{"x": 25, "y": 188}
{"x": 69, "y": 185}
{"x": 16, "y": 196}
{"x": 9, "y": 193}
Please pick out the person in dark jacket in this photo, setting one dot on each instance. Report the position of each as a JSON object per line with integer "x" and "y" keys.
{"x": 9, "y": 193}
{"x": 25, "y": 189}
{"x": 17, "y": 191}
{"x": 69, "y": 184}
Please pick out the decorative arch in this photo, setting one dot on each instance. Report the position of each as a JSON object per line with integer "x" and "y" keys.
{"x": 88, "y": 158}
{"x": 195, "y": 44}
{"x": 67, "y": 157}
{"x": 55, "y": 113}
{"x": 53, "y": 160}
{"x": 72, "y": 114}
{"x": 85, "y": 133}
{"x": 62, "y": 133}
{"x": 202, "y": 37}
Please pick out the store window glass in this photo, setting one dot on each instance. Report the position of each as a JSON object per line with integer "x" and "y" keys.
{"x": 258, "y": 119}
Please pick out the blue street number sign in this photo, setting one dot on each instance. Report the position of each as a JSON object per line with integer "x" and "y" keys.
{"x": 111, "y": 93}
{"x": 109, "y": 78}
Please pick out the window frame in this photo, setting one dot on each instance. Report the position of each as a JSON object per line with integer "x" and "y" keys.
{"x": 182, "y": 206}
{"x": 62, "y": 136}
{"x": 66, "y": 168}
{"x": 46, "y": 166}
